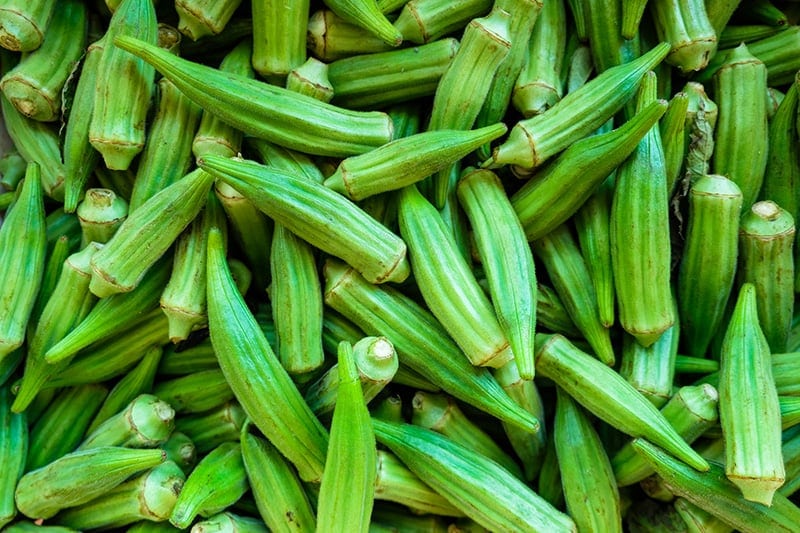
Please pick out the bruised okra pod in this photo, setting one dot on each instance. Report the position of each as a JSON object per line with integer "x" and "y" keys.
{"x": 123, "y": 87}
{"x": 691, "y": 411}
{"x": 308, "y": 210}
{"x": 79, "y": 477}
{"x": 272, "y": 113}
{"x": 311, "y": 79}
{"x": 766, "y": 237}
{"x": 150, "y": 496}
{"x": 590, "y": 490}
{"x": 22, "y": 254}
{"x": 210, "y": 429}
{"x": 146, "y": 422}
{"x": 424, "y": 21}
{"x": 278, "y": 493}
{"x": 13, "y": 452}
{"x": 532, "y": 141}
{"x": 752, "y": 429}
{"x": 448, "y": 285}
{"x": 651, "y": 370}
{"x": 707, "y": 272}
{"x": 396, "y": 483}
{"x": 347, "y": 492}
{"x": 441, "y": 414}
{"x": 196, "y": 392}
{"x": 279, "y": 36}
{"x": 254, "y": 372}
{"x": 740, "y": 151}
{"x": 23, "y": 25}
{"x": 217, "y": 481}
{"x": 199, "y": 18}
{"x": 607, "y": 395}
{"x": 100, "y": 214}
{"x": 34, "y": 85}
{"x": 147, "y": 234}
{"x": 477, "y": 486}
{"x": 686, "y": 27}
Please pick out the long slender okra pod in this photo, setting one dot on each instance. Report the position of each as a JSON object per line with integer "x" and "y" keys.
{"x": 672, "y": 127}
{"x": 196, "y": 392}
{"x": 13, "y": 452}
{"x": 254, "y": 372}
{"x": 199, "y": 18}
{"x": 23, "y": 24}
{"x": 272, "y": 113}
{"x": 631, "y": 16}
{"x": 423, "y": 21}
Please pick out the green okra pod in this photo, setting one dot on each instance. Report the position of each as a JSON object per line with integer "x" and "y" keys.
{"x": 477, "y": 486}
{"x": 181, "y": 450}
{"x": 145, "y": 422}
{"x": 685, "y": 25}
{"x": 279, "y": 36}
{"x": 79, "y": 477}
{"x": 554, "y": 194}
{"x": 178, "y": 361}
{"x": 590, "y": 490}
{"x": 367, "y": 15}
{"x": 390, "y": 408}
{"x": 631, "y": 16}
{"x": 751, "y": 430}
{"x": 381, "y": 310}
{"x": 603, "y": 22}
{"x": 708, "y": 264}
{"x": 210, "y": 429}
{"x": 605, "y": 394}
{"x": 311, "y": 79}
{"x": 147, "y": 233}
{"x": 196, "y": 392}
{"x": 272, "y": 113}
{"x": 447, "y": 284}
{"x": 55, "y": 257}
{"x": 12, "y": 169}
{"x": 329, "y": 37}
{"x": 200, "y": 18}
{"x": 672, "y": 127}
{"x": 551, "y": 314}
{"x": 782, "y": 174}
{"x": 651, "y": 370}
{"x": 22, "y": 526}
{"x": 22, "y": 254}
{"x": 254, "y": 372}
{"x": 424, "y": 21}
{"x": 506, "y": 259}
{"x": 309, "y": 210}
{"x": 228, "y": 522}
{"x": 14, "y": 436}
{"x": 23, "y": 24}
{"x": 218, "y": 480}
{"x": 100, "y": 213}
{"x": 347, "y": 492}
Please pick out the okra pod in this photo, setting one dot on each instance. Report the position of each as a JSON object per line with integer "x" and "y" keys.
{"x": 100, "y": 214}
{"x": 199, "y": 18}
{"x": 13, "y": 452}
{"x": 23, "y": 24}
{"x": 196, "y": 392}
{"x": 177, "y": 361}
{"x": 146, "y": 422}
{"x": 12, "y": 169}
{"x": 672, "y": 127}
{"x": 210, "y": 429}
{"x": 424, "y": 21}
{"x": 279, "y": 30}
{"x": 181, "y": 450}
{"x": 603, "y": 23}
{"x": 311, "y": 79}
{"x": 228, "y": 522}
{"x": 329, "y": 37}
{"x": 651, "y": 370}
{"x": 685, "y": 25}
{"x": 782, "y": 174}
{"x": 367, "y": 15}
{"x": 551, "y": 314}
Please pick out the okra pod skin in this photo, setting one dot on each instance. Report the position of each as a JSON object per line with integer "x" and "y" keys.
{"x": 424, "y": 21}
{"x": 279, "y": 36}
{"x": 365, "y": 14}
{"x": 603, "y": 24}
{"x": 100, "y": 214}
{"x": 651, "y": 370}
{"x": 782, "y": 175}
{"x": 330, "y": 38}
{"x": 200, "y": 18}
{"x": 210, "y": 429}
{"x": 271, "y": 113}
{"x": 13, "y": 453}
{"x": 686, "y": 26}
{"x": 23, "y": 24}
{"x": 145, "y": 422}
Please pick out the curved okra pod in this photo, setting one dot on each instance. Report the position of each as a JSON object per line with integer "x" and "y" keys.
{"x": 123, "y": 87}
{"x": 147, "y": 234}
{"x": 210, "y": 429}
{"x": 13, "y": 452}
{"x": 254, "y": 372}
{"x": 477, "y": 486}
{"x": 34, "y": 85}
{"x": 424, "y": 21}
{"x": 448, "y": 285}
{"x": 382, "y": 310}
{"x": 23, "y": 24}
{"x": 199, "y": 18}
{"x": 396, "y": 483}
{"x": 272, "y": 113}
{"x": 685, "y": 25}
{"x": 100, "y": 214}
{"x": 751, "y": 429}
{"x": 279, "y": 495}
{"x": 407, "y": 160}
{"x": 590, "y": 490}
{"x": 554, "y": 194}
{"x": 607, "y": 395}
{"x": 22, "y": 254}
{"x": 506, "y": 259}
{"x": 766, "y": 237}
{"x": 79, "y": 477}
{"x": 708, "y": 264}
{"x": 318, "y": 215}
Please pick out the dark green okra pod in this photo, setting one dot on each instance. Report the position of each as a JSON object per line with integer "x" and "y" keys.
{"x": 651, "y": 370}
{"x": 13, "y": 452}
{"x": 24, "y": 24}
{"x": 782, "y": 174}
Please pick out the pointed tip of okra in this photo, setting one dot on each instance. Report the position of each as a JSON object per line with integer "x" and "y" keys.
{"x": 117, "y": 154}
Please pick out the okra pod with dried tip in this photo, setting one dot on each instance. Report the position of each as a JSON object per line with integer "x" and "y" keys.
{"x": 100, "y": 213}
{"x": 229, "y": 522}
{"x": 13, "y": 452}
{"x": 279, "y": 495}
{"x": 707, "y": 272}
{"x": 210, "y": 429}
{"x": 381, "y": 310}
{"x": 590, "y": 490}
{"x": 506, "y": 259}
{"x": 782, "y": 174}
{"x": 685, "y": 25}
{"x": 272, "y": 113}
{"x": 22, "y": 254}
{"x": 149, "y": 496}
{"x": 200, "y": 18}
{"x": 347, "y": 492}
{"x": 318, "y": 215}
{"x": 146, "y": 422}
{"x": 766, "y": 237}
{"x": 34, "y": 85}
{"x": 311, "y": 79}
{"x": 607, "y": 395}
{"x": 254, "y": 372}
{"x": 23, "y": 24}
{"x": 447, "y": 284}
{"x": 147, "y": 233}
{"x": 713, "y": 493}
{"x": 407, "y": 160}
{"x": 329, "y": 37}
{"x": 441, "y": 414}
{"x": 651, "y": 370}
{"x": 554, "y": 194}
{"x": 123, "y": 87}
{"x": 79, "y": 477}
{"x": 477, "y": 486}
{"x": 196, "y": 392}
{"x": 218, "y": 480}
{"x": 752, "y": 429}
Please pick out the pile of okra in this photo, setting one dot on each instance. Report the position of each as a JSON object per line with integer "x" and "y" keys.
{"x": 400, "y": 265}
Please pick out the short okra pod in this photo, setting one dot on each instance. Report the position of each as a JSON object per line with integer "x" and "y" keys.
{"x": 78, "y": 477}
{"x": 424, "y": 21}
{"x": 199, "y": 18}
{"x": 22, "y": 254}
{"x": 266, "y": 111}
{"x": 309, "y": 210}
{"x": 210, "y": 429}
{"x": 181, "y": 450}
{"x": 146, "y": 422}
{"x": 196, "y": 392}
{"x": 448, "y": 285}
{"x": 217, "y": 481}
{"x": 13, "y": 452}
{"x": 23, "y": 24}
{"x": 608, "y": 396}
{"x": 101, "y": 212}
{"x": 477, "y": 486}
{"x": 329, "y": 37}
